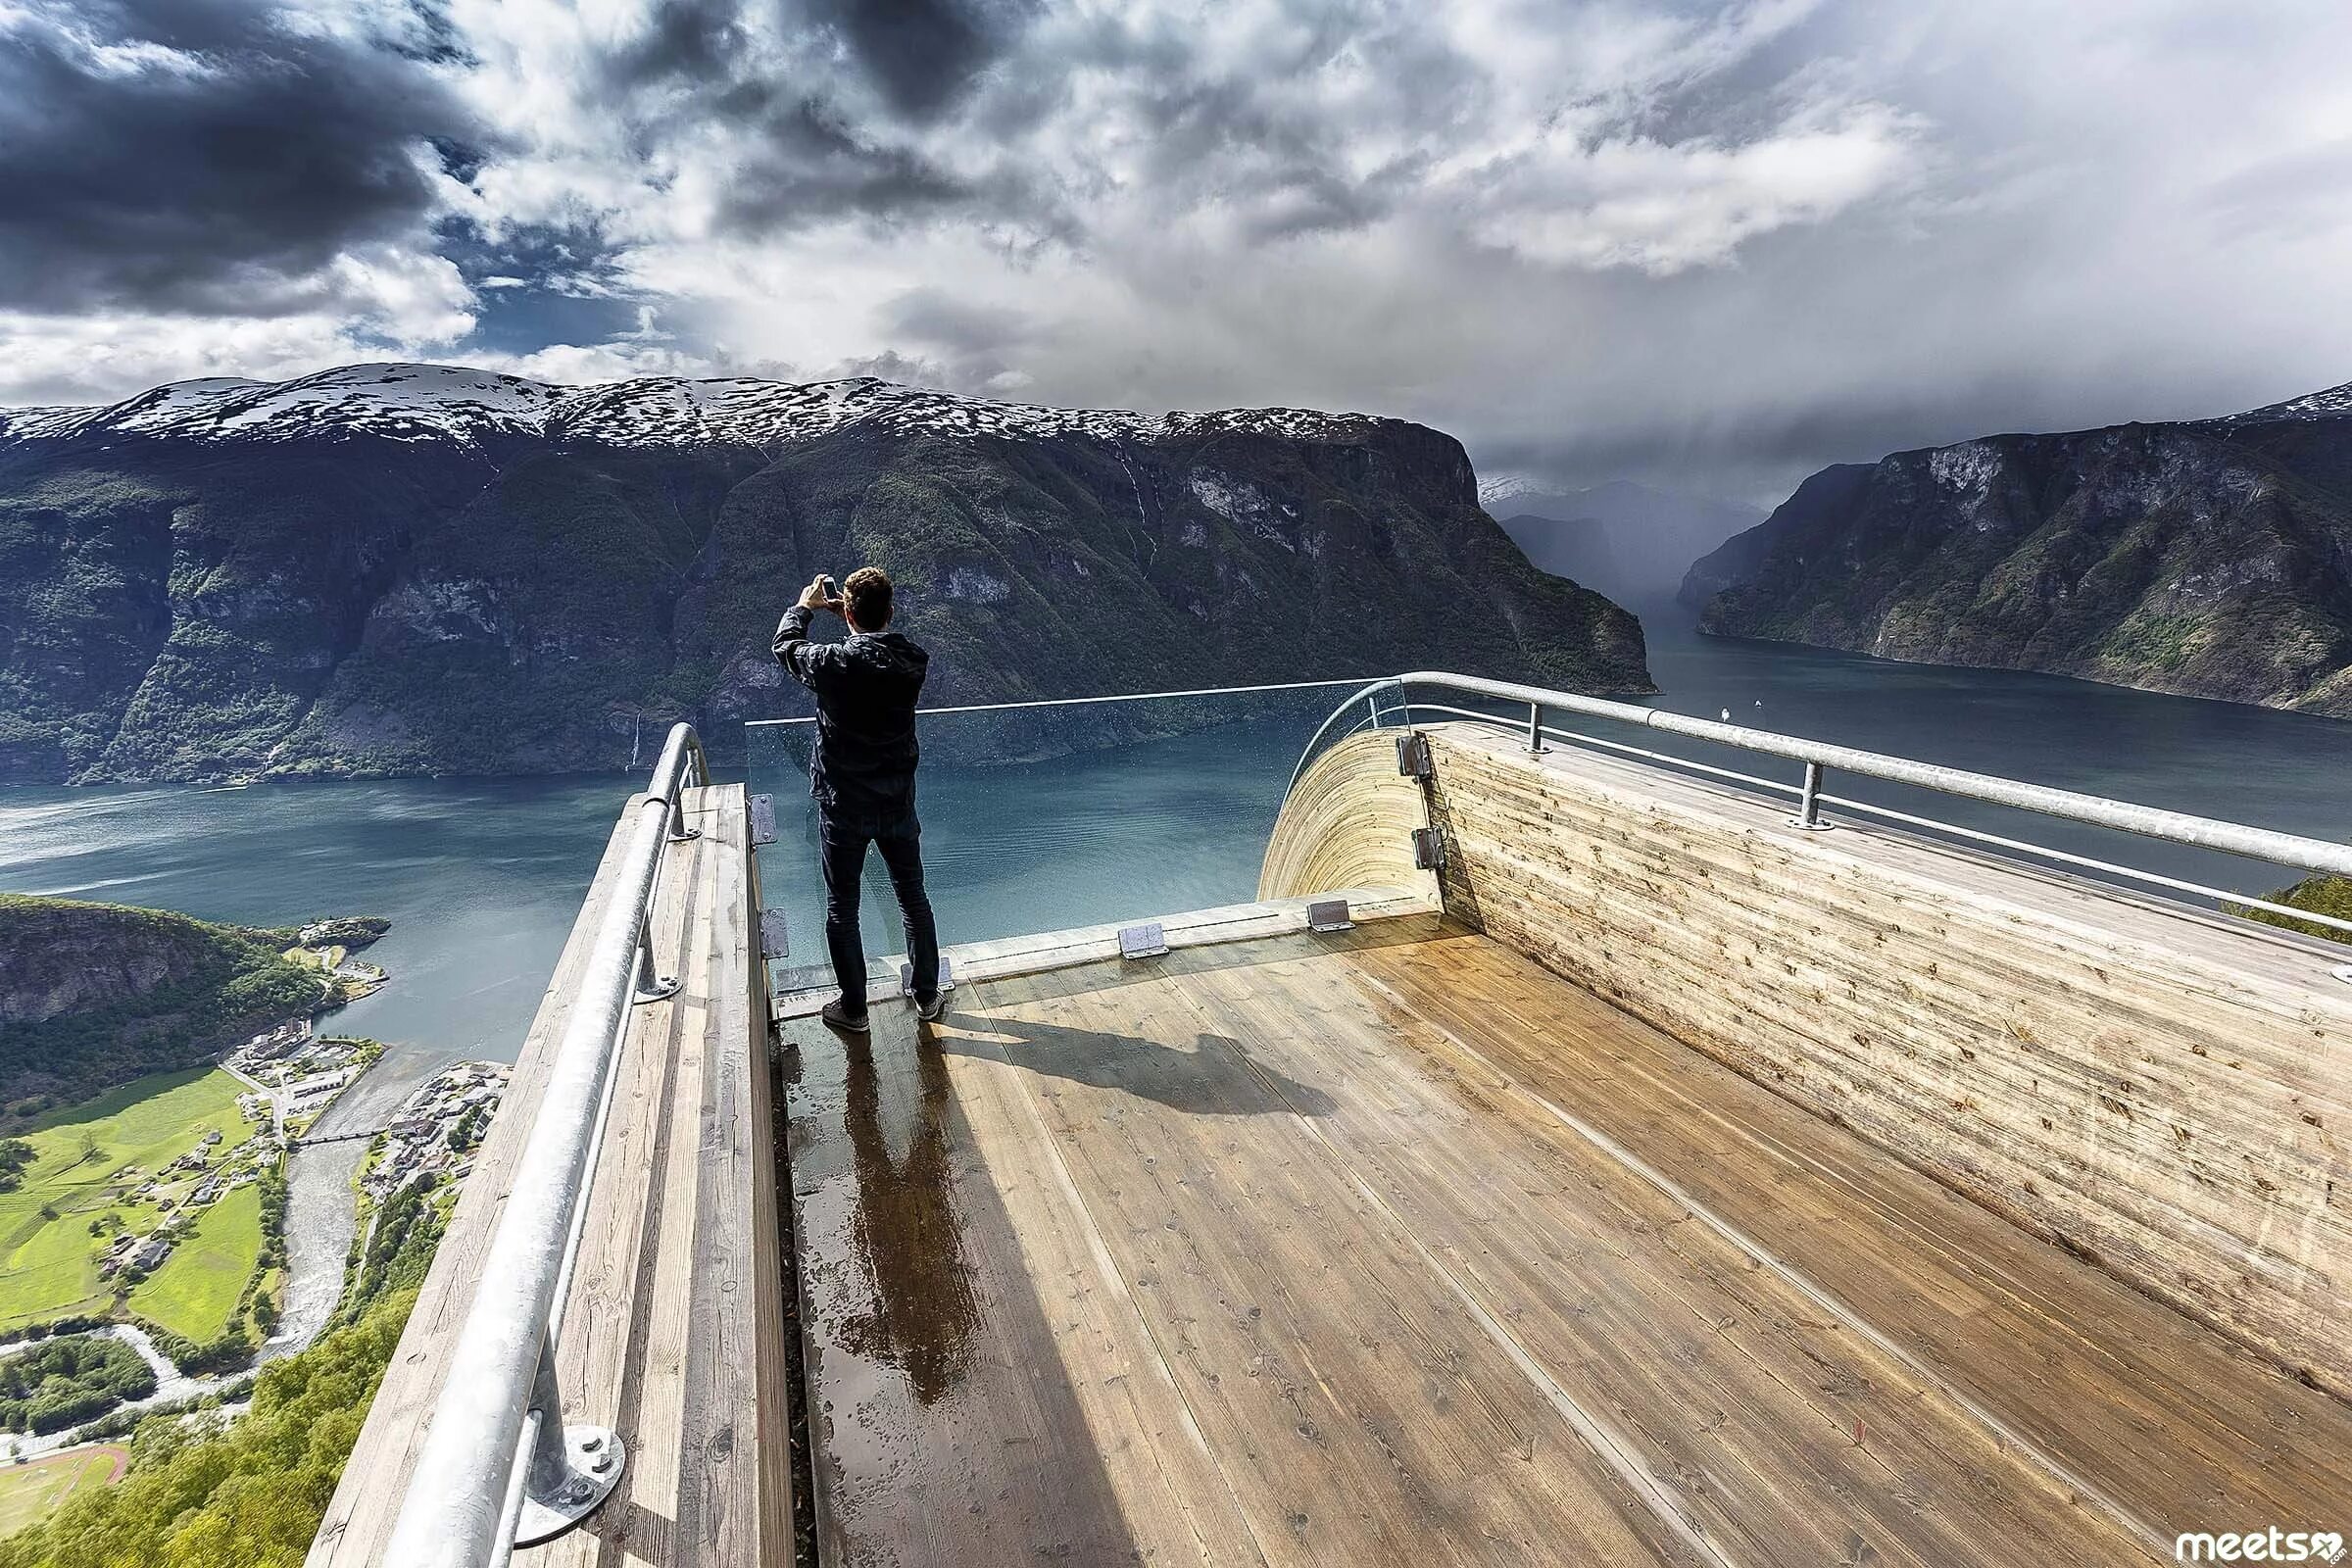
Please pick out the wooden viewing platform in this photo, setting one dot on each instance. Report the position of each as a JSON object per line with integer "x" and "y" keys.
{"x": 1660, "y": 1184}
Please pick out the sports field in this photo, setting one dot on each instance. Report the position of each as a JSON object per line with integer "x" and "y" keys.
{"x": 48, "y": 1258}
{"x": 196, "y": 1288}
{"x": 31, "y": 1493}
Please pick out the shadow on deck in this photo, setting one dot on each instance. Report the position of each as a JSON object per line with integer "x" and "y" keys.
{"x": 1396, "y": 1248}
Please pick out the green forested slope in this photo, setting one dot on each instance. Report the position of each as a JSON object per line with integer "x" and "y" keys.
{"x": 2213, "y": 558}
{"x": 94, "y": 994}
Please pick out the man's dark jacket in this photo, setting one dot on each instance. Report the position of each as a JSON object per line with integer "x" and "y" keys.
{"x": 862, "y": 770}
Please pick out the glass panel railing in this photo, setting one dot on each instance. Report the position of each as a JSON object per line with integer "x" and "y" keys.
{"x": 1046, "y": 818}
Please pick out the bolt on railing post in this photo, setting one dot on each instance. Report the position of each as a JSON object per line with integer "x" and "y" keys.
{"x": 1808, "y": 805}
{"x": 569, "y": 1470}
{"x": 1535, "y": 729}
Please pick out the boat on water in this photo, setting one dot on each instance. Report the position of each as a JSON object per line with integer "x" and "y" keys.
{"x": 1579, "y": 1151}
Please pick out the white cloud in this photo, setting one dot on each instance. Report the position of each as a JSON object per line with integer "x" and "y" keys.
{"x": 1713, "y": 243}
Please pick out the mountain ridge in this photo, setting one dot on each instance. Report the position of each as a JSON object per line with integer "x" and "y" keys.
{"x": 2207, "y": 558}
{"x": 378, "y": 571}
{"x": 421, "y": 401}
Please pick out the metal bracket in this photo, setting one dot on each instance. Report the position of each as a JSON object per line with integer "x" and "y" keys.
{"x": 764, "y": 819}
{"x": 946, "y": 977}
{"x": 1412, "y": 755}
{"x": 597, "y": 1459}
{"x": 775, "y": 935}
{"x": 1429, "y": 850}
{"x": 660, "y": 991}
{"x": 1147, "y": 941}
{"x": 1329, "y": 915}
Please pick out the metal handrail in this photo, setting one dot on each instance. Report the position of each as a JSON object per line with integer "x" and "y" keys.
{"x": 2095, "y": 810}
{"x": 498, "y": 1467}
{"x": 1083, "y": 702}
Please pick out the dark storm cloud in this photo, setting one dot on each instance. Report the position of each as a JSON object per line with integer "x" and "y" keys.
{"x": 919, "y": 55}
{"x": 689, "y": 40}
{"x": 199, "y": 156}
{"x": 812, "y": 163}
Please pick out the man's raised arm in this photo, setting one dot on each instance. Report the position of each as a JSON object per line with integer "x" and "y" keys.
{"x": 792, "y": 647}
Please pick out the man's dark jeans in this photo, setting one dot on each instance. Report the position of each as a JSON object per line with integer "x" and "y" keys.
{"x": 901, "y": 842}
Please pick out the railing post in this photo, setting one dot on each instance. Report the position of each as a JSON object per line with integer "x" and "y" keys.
{"x": 570, "y": 1471}
{"x": 696, "y": 773}
{"x": 649, "y": 986}
{"x": 1808, "y": 805}
{"x": 1535, "y": 729}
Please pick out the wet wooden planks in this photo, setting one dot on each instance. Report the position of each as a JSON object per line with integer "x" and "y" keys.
{"x": 673, "y": 1329}
{"x": 1395, "y": 1247}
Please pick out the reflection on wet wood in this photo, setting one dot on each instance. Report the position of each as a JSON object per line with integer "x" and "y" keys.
{"x": 1395, "y": 1247}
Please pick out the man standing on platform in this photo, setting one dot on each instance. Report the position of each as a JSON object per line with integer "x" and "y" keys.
{"x": 861, "y": 771}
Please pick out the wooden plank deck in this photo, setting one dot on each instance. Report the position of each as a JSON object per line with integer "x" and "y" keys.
{"x": 673, "y": 1329}
{"x": 1396, "y": 1248}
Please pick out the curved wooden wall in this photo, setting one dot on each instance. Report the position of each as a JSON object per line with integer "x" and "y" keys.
{"x": 1348, "y": 824}
{"x": 2166, "y": 1093}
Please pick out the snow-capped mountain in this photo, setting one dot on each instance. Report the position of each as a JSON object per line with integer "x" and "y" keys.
{"x": 430, "y": 403}
{"x": 412, "y": 568}
{"x": 1503, "y": 489}
{"x": 2331, "y": 404}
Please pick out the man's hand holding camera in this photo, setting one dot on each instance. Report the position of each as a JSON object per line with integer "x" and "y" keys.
{"x": 820, "y": 594}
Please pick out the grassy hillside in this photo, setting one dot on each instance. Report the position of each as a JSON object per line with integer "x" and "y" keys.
{"x": 250, "y": 1494}
{"x": 95, "y": 995}
{"x": 49, "y": 1251}
{"x": 194, "y": 1293}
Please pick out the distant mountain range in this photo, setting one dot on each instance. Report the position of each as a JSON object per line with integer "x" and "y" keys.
{"x": 1624, "y": 539}
{"x": 412, "y": 568}
{"x": 2211, "y": 558}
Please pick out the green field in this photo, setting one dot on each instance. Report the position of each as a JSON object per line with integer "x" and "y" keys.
{"x": 31, "y": 1493}
{"x": 197, "y": 1287}
{"x": 48, "y": 1258}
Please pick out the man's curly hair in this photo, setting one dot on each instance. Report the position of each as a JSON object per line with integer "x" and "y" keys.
{"x": 867, "y": 596}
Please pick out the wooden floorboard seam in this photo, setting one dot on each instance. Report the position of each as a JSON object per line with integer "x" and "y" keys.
{"x": 1611, "y": 1446}
{"x": 1100, "y": 1251}
{"x": 2158, "y": 1545}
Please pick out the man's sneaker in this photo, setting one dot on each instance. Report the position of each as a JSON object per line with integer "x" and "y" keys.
{"x": 841, "y": 1017}
{"x": 929, "y": 1009}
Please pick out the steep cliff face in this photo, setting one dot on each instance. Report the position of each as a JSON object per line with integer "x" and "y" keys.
{"x": 2213, "y": 558}
{"x": 408, "y": 570}
{"x": 94, "y": 995}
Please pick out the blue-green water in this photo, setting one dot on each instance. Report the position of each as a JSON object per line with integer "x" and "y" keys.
{"x": 482, "y": 878}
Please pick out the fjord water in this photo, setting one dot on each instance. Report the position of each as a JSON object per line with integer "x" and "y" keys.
{"x": 482, "y": 878}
